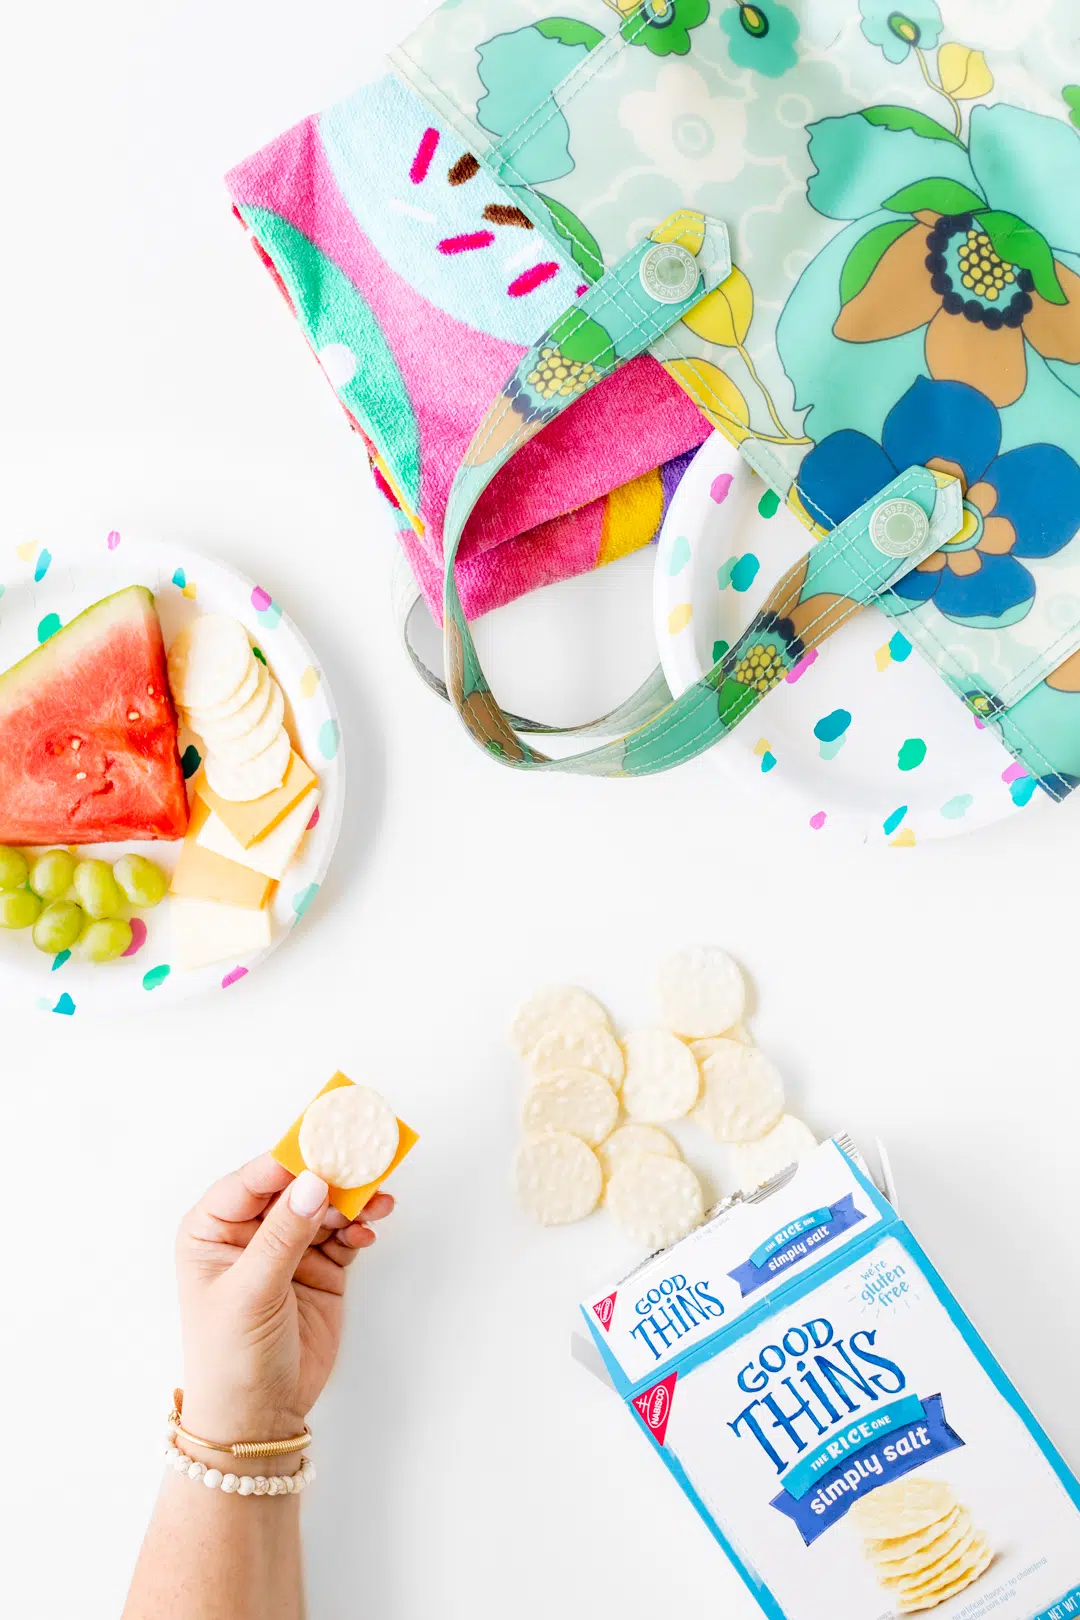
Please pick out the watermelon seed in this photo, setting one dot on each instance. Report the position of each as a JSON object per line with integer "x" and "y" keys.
{"x": 80, "y": 776}
{"x": 133, "y": 714}
{"x": 76, "y": 743}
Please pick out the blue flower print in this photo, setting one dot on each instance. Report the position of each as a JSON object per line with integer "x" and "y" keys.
{"x": 1023, "y": 504}
{"x": 761, "y": 37}
{"x": 897, "y": 31}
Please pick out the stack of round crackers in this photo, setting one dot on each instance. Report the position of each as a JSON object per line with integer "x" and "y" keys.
{"x": 921, "y": 1542}
{"x": 593, "y": 1113}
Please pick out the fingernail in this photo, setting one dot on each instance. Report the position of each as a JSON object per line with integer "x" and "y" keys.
{"x": 307, "y": 1195}
{"x": 334, "y": 1220}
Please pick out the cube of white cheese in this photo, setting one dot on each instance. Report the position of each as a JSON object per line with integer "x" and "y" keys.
{"x": 206, "y": 931}
{"x": 270, "y": 855}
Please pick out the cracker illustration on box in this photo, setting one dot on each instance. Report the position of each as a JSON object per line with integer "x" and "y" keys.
{"x": 921, "y": 1542}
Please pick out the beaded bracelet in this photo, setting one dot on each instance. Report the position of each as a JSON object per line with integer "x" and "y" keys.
{"x": 241, "y": 1484}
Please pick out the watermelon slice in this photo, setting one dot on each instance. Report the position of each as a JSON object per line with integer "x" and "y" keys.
{"x": 88, "y": 733}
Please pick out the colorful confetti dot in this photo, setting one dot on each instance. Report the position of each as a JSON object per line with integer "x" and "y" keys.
{"x": 1013, "y": 772}
{"x": 189, "y": 590}
{"x": 42, "y": 566}
{"x": 314, "y": 822}
{"x": 797, "y": 671}
{"x": 179, "y": 579}
{"x": 112, "y": 539}
{"x": 65, "y": 1005}
{"x": 260, "y": 599}
{"x": 817, "y": 820}
{"x": 679, "y": 618}
{"x": 156, "y": 975}
{"x": 49, "y": 625}
{"x": 768, "y": 760}
{"x": 900, "y": 648}
{"x": 329, "y": 738}
{"x": 59, "y": 959}
{"x": 724, "y": 573}
{"x": 883, "y": 658}
{"x": 259, "y": 654}
{"x": 680, "y": 555}
{"x": 911, "y": 754}
{"x": 769, "y": 504}
{"x": 905, "y": 839}
{"x": 190, "y": 760}
{"x": 719, "y": 648}
{"x": 26, "y": 550}
{"x": 303, "y": 899}
{"x": 1021, "y": 790}
{"x": 233, "y": 977}
{"x": 761, "y": 747}
{"x": 138, "y": 936}
{"x": 745, "y": 572}
{"x": 309, "y": 681}
{"x": 720, "y": 487}
{"x": 831, "y": 726}
{"x": 956, "y": 807}
{"x": 890, "y": 824}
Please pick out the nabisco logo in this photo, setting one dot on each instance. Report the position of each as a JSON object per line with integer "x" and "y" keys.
{"x": 654, "y": 1406}
{"x": 604, "y": 1310}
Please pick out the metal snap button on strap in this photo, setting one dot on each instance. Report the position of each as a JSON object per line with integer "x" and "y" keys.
{"x": 899, "y": 528}
{"x": 669, "y": 273}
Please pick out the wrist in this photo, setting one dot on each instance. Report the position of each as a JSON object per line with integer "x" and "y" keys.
{"x": 237, "y": 1416}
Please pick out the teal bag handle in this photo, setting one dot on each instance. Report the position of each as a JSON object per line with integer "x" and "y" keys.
{"x": 856, "y": 563}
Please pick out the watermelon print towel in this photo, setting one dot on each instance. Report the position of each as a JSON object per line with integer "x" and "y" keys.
{"x": 420, "y": 287}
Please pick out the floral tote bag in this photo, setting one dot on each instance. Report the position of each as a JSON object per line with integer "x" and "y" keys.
{"x": 849, "y": 231}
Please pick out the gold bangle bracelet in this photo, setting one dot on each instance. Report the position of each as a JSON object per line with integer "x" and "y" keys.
{"x": 235, "y": 1448}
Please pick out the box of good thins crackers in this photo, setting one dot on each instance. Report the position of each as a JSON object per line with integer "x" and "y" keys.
{"x": 819, "y": 1395}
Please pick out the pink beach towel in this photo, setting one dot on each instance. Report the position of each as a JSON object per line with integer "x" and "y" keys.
{"x": 420, "y": 289}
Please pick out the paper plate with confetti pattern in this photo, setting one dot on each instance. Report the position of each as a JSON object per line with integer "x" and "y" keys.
{"x": 862, "y": 740}
{"x": 41, "y": 592}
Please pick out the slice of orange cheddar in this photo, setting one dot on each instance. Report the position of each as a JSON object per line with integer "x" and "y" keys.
{"x": 350, "y": 1200}
{"x": 250, "y": 821}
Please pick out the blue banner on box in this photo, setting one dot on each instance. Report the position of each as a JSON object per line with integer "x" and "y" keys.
{"x": 1064, "y": 1607}
{"x": 792, "y": 1243}
{"x": 898, "y": 1451}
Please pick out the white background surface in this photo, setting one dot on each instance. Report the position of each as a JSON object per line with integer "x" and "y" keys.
{"x": 152, "y": 382}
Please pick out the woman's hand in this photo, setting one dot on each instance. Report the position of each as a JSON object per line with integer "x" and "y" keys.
{"x": 261, "y": 1262}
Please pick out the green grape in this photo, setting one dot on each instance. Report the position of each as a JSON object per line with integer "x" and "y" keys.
{"x": 18, "y": 908}
{"x": 104, "y": 939}
{"x": 143, "y": 883}
{"x": 13, "y": 868}
{"x": 97, "y": 890}
{"x": 51, "y": 874}
{"x": 58, "y": 926}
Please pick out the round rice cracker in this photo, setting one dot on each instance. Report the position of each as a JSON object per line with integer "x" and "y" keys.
{"x": 742, "y": 1093}
{"x": 236, "y": 748}
{"x": 559, "y": 1179}
{"x": 572, "y": 1100}
{"x": 903, "y": 1508}
{"x": 594, "y": 1049}
{"x": 702, "y": 992}
{"x": 563, "y": 1007}
{"x": 662, "y": 1079}
{"x": 349, "y": 1136}
{"x": 208, "y": 661}
{"x": 239, "y": 704}
{"x": 241, "y": 783}
{"x": 737, "y": 1033}
{"x": 906, "y": 1554}
{"x": 929, "y": 1598}
{"x": 656, "y": 1200}
{"x": 634, "y": 1142}
{"x": 754, "y": 1163}
{"x": 938, "y": 1571}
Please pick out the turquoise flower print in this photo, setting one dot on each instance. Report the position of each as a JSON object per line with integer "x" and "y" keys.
{"x": 961, "y": 261}
{"x": 761, "y": 37}
{"x": 1024, "y": 504}
{"x": 519, "y": 71}
{"x": 662, "y": 26}
{"x": 898, "y": 31}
